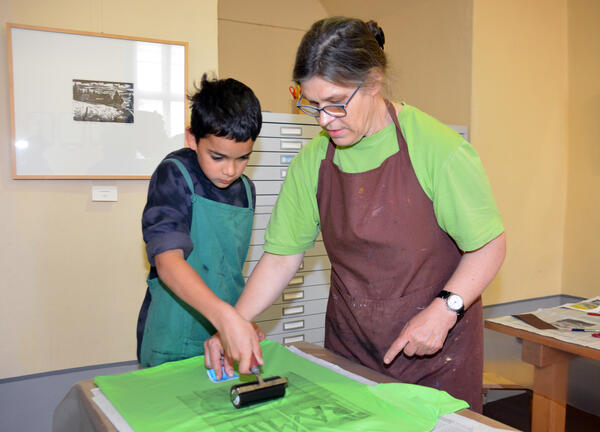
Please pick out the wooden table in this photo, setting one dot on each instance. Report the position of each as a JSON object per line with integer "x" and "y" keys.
{"x": 78, "y": 412}
{"x": 550, "y": 358}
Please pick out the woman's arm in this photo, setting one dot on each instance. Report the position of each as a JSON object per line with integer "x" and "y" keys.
{"x": 239, "y": 342}
{"x": 426, "y": 332}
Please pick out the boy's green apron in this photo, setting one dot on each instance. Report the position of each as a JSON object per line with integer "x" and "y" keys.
{"x": 220, "y": 234}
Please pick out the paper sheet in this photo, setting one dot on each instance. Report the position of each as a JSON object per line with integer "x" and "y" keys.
{"x": 562, "y": 318}
{"x": 589, "y": 305}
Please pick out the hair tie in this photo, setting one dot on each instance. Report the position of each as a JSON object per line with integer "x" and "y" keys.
{"x": 377, "y": 33}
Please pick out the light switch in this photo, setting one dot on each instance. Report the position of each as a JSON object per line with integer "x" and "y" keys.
{"x": 104, "y": 193}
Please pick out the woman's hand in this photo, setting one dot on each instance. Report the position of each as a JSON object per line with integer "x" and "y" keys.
{"x": 216, "y": 353}
{"x": 425, "y": 333}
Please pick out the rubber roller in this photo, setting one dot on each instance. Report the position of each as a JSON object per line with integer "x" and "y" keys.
{"x": 259, "y": 390}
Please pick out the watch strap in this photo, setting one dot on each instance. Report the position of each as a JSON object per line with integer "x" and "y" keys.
{"x": 444, "y": 295}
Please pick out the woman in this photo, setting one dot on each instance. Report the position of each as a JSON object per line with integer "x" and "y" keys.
{"x": 407, "y": 217}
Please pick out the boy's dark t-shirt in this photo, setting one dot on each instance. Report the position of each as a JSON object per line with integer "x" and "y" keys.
{"x": 167, "y": 217}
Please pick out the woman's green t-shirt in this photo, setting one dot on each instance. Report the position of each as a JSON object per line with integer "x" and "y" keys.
{"x": 447, "y": 168}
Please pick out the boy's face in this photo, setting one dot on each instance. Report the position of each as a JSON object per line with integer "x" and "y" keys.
{"x": 221, "y": 159}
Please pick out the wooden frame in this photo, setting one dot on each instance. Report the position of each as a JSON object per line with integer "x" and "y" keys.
{"x": 92, "y": 105}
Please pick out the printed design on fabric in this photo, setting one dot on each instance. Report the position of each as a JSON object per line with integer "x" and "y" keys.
{"x": 307, "y": 406}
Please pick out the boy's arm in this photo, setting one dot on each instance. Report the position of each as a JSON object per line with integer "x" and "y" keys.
{"x": 183, "y": 280}
{"x": 238, "y": 343}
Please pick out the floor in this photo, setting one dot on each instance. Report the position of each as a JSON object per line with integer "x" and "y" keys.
{"x": 514, "y": 411}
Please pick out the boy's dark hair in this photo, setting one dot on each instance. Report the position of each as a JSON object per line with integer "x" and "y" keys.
{"x": 225, "y": 108}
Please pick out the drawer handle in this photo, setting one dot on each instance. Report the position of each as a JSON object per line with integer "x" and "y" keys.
{"x": 293, "y": 325}
{"x": 283, "y": 172}
{"x": 292, "y": 339}
{"x": 286, "y": 159}
{"x": 298, "y": 280}
{"x": 290, "y": 131}
{"x": 301, "y": 266}
{"x": 293, "y": 295}
{"x": 291, "y": 144}
{"x": 294, "y": 310}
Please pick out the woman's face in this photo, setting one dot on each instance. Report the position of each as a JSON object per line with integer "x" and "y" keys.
{"x": 348, "y": 130}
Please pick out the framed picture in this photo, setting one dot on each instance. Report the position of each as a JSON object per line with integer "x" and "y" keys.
{"x": 88, "y": 105}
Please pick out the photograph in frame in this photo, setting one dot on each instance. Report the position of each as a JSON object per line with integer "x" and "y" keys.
{"x": 103, "y": 101}
{"x": 106, "y": 106}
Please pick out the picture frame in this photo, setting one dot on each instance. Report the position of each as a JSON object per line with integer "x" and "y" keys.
{"x": 92, "y": 105}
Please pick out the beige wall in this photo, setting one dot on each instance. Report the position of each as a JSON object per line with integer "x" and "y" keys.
{"x": 428, "y": 44}
{"x": 429, "y": 52}
{"x": 519, "y": 126}
{"x": 582, "y": 233}
{"x": 257, "y": 45}
{"x": 73, "y": 271}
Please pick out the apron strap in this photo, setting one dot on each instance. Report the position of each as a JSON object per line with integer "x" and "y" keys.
{"x": 394, "y": 115}
{"x": 184, "y": 172}
{"x": 248, "y": 191}
{"x": 190, "y": 184}
{"x": 330, "y": 151}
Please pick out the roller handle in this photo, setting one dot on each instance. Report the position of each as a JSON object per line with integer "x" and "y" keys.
{"x": 254, "y": 367}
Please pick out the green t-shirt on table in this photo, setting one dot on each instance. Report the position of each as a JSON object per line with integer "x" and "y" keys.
{"x": 447, "y": 168}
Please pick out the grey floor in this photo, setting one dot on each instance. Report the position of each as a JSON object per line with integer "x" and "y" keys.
{"x": 27, "y": 403}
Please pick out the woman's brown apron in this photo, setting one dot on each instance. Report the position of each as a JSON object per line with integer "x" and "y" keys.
{"x": 389, "y": 260}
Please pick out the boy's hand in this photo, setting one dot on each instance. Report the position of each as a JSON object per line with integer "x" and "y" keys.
{"x": 214, "y": 357}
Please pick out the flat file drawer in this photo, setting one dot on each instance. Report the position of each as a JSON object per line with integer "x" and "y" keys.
{"x": 258, "y": 159}
{"x": 260, "y": 221}
{"x": 267, "y": 187}
{"x": 265, "y": 204}
{"x": 258, "y": 237}
{"x": 266, "y": 200}
{"x": 290, "y": 144}
{"x": 289, "y": 130}
{"x": 279, "y": 311}
{"x": 313, "y": 335}
{"x": 293, "y": 324}
{"x": 293, "y": 295}
{"x": 255, "y": 252}
{"x": 263, "y": 210}
{"x": 309, "y": 263}
{"x": 266, "y": 173}
{"x": 318, "y": 277}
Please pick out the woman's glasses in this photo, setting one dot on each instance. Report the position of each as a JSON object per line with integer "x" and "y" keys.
{"x": 334, "y": 110}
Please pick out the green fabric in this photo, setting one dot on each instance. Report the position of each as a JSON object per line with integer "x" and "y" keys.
{"x": 447, "y": 168}
{"x": 221, "y": 237}
{"x": 178, "y": 396}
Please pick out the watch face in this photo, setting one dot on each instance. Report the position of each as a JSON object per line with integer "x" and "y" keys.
{"x": 455, "y": 302}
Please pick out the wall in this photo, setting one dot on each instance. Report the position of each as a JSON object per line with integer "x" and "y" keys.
{"x": 73, "y": 271}
{"x": 258, "y": 42}
{"x": 582, "y": 233}
{"x": 519, "y": 126}
{"x": 428, "y": 44}
{"x": 429, "y": 53}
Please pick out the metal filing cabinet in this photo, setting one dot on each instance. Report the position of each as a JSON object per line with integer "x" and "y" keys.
{"x": 299, "y": 313}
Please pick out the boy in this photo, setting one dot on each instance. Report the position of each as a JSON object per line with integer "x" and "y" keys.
{"x": 197, "y": 225}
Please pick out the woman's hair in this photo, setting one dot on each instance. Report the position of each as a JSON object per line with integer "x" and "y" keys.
{"x": 340, "y": 50}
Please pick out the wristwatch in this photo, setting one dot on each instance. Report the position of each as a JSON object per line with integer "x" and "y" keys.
{"x": 454, "y": 302}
